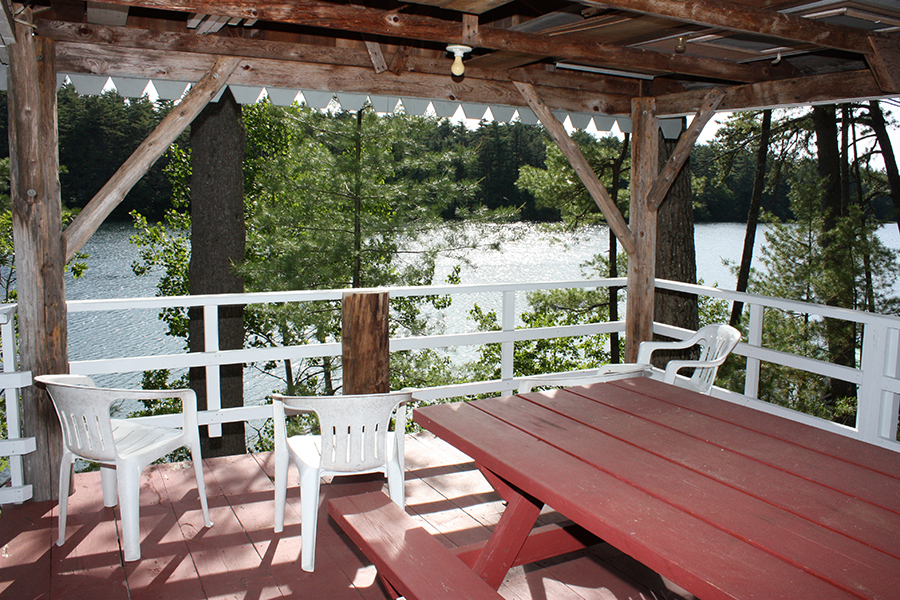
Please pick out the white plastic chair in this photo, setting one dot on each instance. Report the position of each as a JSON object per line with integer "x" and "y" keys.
{"x": 715, "y": 342}
{"x": 355, "y": 439}
{"x": 121, "y": 446}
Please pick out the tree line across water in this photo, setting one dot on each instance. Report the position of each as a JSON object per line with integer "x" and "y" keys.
{"x": 97, "y": 134}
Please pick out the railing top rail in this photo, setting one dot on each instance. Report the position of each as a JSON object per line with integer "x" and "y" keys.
{"x": 845, "y": 314}
{"x": 320, "y": 295}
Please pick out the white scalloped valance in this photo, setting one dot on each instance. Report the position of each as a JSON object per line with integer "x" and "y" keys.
{"x": 166, "y": 89}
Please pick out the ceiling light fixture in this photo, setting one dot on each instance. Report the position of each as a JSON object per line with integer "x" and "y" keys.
{"x": 679, "y": 46}
{"x": 458, "y": 50}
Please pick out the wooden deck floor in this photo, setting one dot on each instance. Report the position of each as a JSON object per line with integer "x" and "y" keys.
{"x": 241, "y": 557}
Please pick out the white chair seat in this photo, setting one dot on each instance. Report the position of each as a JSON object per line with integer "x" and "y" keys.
{"x": 122, "y": 447}
{"x": 714, "y": 341}
{"x": 356, "y": 439}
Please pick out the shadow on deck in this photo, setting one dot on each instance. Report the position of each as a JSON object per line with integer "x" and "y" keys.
{"x": 241, "y": 557}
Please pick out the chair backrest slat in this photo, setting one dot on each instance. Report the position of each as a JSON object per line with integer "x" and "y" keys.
{"x": 354, "y": 428}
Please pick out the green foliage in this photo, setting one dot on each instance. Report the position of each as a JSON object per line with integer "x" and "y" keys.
{"x": 556, "y": 185}
{"x": 96, "y": 135}
{"x": 340, "y": 200}
{"x": 859, "y": 271}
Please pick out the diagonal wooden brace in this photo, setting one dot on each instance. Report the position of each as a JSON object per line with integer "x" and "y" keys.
{"x": 131, "y": 171}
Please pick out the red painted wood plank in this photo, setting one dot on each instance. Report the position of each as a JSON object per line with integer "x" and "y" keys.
{"x": 824, "y": 468}
{"x": 846, "y": 562}
{"x": 166, "y": 568}
{"x": 415, "y": 563}
{"x": 26, "y": 537}
{"x": 701, "y": 558}
{"x": 851, "y": 450}
{"x": 841, "y": 512}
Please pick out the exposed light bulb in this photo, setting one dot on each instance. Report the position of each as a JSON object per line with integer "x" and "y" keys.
{"x": 679, "y": 46}
{"x": 458, "y": 68}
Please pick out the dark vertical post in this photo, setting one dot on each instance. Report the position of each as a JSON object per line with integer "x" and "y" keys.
{"x": 365, "y": 341}
{"x": 218, "y": 240}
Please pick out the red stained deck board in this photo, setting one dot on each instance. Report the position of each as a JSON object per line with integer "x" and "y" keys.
{"x": 640, "y": 525}
{"x": 841, "y": 512}
{"x": 796, "y": 540}
{"x": 845, "y": 448}
{"x": 25, "y": 550}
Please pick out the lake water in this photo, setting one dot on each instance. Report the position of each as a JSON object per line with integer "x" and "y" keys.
{"x": 532, "y": 256}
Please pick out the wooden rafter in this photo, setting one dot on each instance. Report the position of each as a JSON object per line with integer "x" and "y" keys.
{"x": 582, "y": 168}
{"x": 747, "y": 19}
{"x": 833, "y": 87}
{"x": 99, "y": 207}
{"x": 405, "y": 26}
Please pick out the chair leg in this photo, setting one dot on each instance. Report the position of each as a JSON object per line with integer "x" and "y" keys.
{"x": 197, "y": 459}
{"x": 65, "y": 477}
{"x": 282, "y": 462}
{"x": 396, "y": 483}
{"x": 129, "y": 509}
{"x": 309, "y": 515}
{"x": 108, "y": 485}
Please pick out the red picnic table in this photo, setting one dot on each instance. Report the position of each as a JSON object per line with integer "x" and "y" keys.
{"x": 723, "y": 500}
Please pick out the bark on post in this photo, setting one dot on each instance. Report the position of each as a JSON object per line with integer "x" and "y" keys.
{"x": 676, "y": 257}
{"x": 218, "y": 239}
{"x": 365, "y": 342}
{"x": 37, "y": 232}
{"x": 642, "y": 223}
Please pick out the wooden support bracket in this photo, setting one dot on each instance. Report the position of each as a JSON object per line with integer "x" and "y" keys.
{"x": 571, "y": 151}
{"x": 90, "y": 218}
{"x": 683, "y": 150}
{"x": 377, "y": 56}
{"x": 885, "y": 62}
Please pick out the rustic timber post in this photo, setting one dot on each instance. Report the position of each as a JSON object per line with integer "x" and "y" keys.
{"x": 642, "y": 222}
{"x": 365, "y": 342}
{"x": 39, "y": 251}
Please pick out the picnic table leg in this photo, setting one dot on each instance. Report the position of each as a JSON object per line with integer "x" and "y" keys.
{"x": 508, "y": 537}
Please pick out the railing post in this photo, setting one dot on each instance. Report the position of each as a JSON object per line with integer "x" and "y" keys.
{"x": 876, "y": 407}
{"x": 365, "y": 341}
{"x": 507, "y": 348}
{"x": 13, "y": 420}
{"x": 754, "y": 338}
{"x": 213, "y": 372}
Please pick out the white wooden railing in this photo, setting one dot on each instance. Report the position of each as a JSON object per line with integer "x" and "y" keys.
{"x": 877, "y": 377}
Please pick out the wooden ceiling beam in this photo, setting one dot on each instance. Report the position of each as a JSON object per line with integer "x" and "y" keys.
{"x": 746, "y": 19}
{"x": 395, "y": 24}
{"x": 401, "y": 63}
{"x": 821, "y": 89}
{"x": 166, "y": 64}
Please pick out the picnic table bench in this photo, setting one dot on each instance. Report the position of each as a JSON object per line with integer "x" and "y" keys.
{"x": 409, "y": 560}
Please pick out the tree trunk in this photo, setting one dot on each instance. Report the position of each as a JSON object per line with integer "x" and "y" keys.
{"x": 39, "y": 250}
{"x": 676, "y": 257}
{"x": 887, "y": 151}
{"x": 217, "y": 244}
{"x": 614, "y": 252}
{"x": 839, "y": 335}
{"x": 759, "y": 183}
